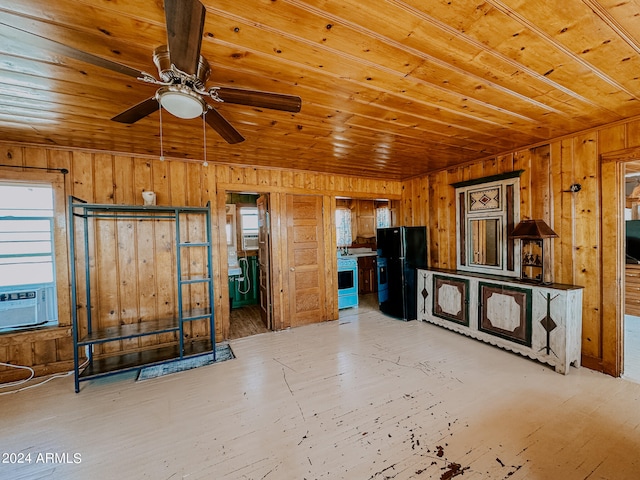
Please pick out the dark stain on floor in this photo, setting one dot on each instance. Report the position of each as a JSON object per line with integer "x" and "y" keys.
{"x": 453, "y": 470}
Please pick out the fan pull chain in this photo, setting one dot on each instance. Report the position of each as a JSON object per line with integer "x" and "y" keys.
{"x": 161, "y": 147}
{"x": 204, "y": 136}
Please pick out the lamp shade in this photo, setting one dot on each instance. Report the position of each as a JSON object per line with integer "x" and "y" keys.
{"x": 533, "y": 229}
{"x": 181, "y": 102}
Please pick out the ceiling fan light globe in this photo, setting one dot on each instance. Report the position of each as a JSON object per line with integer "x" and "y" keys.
{"x": 181, "y": 103}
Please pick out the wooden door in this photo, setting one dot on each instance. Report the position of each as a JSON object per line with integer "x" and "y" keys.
{"x": 305, "y": 258}
{"x": 264, "y": 270}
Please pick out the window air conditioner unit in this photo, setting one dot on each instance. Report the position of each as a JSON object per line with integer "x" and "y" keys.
{"x": 250, "y": 241}
{"x": 25, "y": 307}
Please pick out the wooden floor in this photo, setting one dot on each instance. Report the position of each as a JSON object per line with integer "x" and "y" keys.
{"x": 365, "y": 397}
{"x": 245, "y": 321}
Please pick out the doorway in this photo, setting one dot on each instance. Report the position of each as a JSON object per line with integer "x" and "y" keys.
{"x": 248, "y": 252}
{"x": 357, "y": 221}
{"x": 631, "y": 323}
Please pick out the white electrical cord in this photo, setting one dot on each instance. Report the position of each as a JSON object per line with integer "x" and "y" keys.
{"x": 32, "y": 374}
{"x": 17, "y": 382}
{"x": 245, "y": 275}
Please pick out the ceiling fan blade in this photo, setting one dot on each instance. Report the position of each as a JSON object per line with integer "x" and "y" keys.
{"x": 185, "y": 24}
{"x": 223, "y": 127}
{"x": 254, "y": 98}
{"x": 67, "y": 51}
{"x": 138, "y": 111}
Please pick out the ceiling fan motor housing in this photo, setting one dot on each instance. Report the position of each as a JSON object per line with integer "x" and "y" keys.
{"x": 168, "y": 73}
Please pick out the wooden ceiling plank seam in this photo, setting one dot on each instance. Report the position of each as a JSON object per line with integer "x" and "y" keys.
{"x": 476, "y": 50}
{"x": 449, "y": 124}
{"x": 398, "y": 74}
{"x": 414, "y": 100}
{"x": 137, "y": 57}
{"x": 432, "y": 59}
{"x": 240, "y": 19}
{"x": 613, "y": 24}
{"x": 367, "y": 85}
{"x": 469, "y": 140}
{"x": 559, "y": 46}
{"x": 502, "y": 57}
{"x": 96, "y": 116}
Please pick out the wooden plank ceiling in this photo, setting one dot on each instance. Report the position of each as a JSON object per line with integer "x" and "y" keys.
{"x": 390, "y": 89}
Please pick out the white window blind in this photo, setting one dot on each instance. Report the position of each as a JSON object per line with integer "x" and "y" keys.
{"x": 26, "y": 235}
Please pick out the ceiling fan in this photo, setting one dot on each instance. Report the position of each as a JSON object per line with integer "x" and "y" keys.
{"x": 182, "y": 71}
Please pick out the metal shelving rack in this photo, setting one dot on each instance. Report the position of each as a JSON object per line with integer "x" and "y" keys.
{"x": 81, "y": 211}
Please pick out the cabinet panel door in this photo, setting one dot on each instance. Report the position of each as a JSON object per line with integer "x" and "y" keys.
{"x": 365, "y": 207}
{"x": 367, "y": 282}
{"x": 505, "y": 312}
{"x": 366, "y": 227}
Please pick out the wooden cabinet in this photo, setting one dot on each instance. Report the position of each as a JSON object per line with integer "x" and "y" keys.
{"x": 366, "y": 227}
{"x": 367, "y": 281}
{"x": 366, "y": 219}
{"x": 366, "y": 208}
{"x": 543, "y": 322}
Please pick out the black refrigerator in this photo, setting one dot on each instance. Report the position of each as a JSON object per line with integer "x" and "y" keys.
{"x": 404, "y": 250}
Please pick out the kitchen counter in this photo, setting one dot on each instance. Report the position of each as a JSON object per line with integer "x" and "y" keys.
{"x": 358, "y": 252}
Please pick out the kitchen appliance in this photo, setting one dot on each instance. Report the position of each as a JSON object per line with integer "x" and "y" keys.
{"x": 403, "y": 249}
{"x": 383, "y": 285}
{"x": 347, "y": 282}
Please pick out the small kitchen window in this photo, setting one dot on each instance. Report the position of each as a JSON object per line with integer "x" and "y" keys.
{"x": 486, "y": 212}
{"x": 343, "y": 227}
{"x": 249, "y": 228}
{"x": 383, "y": 216}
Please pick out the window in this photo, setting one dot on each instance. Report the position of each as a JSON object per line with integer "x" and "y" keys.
{"x": 383, "y": 217}
{"x": 343, "y": 227}
{"x": 249, "y": 220}
{"x": 27, "y": 260}
{"x": 249, "y": 227}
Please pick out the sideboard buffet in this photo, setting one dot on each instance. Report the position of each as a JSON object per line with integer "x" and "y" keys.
{"x": 540, "y": 321}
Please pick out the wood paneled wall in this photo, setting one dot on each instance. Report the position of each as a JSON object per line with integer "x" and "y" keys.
{"x": 587, "y": 252}
{"x": 632, "y": 290}
{"x": 107, "y": 178}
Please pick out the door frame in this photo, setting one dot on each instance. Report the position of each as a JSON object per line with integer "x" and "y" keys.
{"x": 613, "y": 257}
{"x": 274, "y": 257}
{"x": 269, "y": 291}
